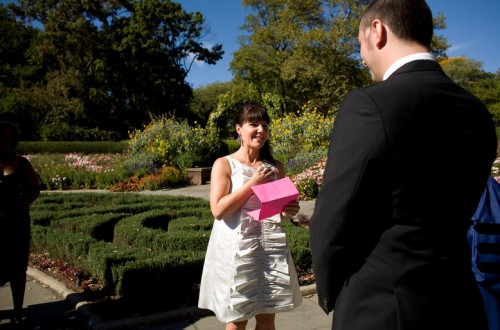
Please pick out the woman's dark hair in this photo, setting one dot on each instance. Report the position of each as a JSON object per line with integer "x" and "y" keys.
{"x": 253, "y": 112}
{"x": 15, "y": 135}
{"x": 408, "y": 19}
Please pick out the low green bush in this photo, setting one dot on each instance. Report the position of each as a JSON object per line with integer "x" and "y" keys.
{"x": 232, "y": 145}
{"x": 63, "y": 147}
{"x": 134, "y": 243}
{"x": 61, "y": 244}
{"x": 303, "y": 160}
{"x": 98, "y": 226}
{"x": 298, "y": 240}
{"x": 173, "y": 277}
{"x": 176, "y": 143}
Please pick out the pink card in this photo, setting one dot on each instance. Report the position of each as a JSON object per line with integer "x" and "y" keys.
{"x": 273, "y": 197}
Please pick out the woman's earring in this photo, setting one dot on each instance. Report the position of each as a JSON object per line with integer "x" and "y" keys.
{"x": 239, "y": 138}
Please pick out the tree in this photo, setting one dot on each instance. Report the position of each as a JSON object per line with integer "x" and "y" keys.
{"x": 206, "y": 98}
{"x": 487, "y": 89}
{"x": 20, "y": 99}
{"x": 120, "y": 63}
{"x": 327, "y": 61}
{"x": 462, "y": 70}
{"x": 439, "y": 43}
{"x": 306, "y": 50}
{"x": 15, "y": 42}
{"x": 470, "y": 75}
{"x": 275, "y": 28}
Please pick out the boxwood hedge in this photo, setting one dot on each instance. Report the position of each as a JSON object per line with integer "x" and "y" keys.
{"x": 136, "y": 244}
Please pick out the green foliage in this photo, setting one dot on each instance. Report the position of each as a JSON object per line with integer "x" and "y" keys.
{"x": 488, "y": 90}
{"x": 84, "y": 234}
{"x": 305, "y": 131}
{"x": 439, "y": 44}
{"x": 125, "y": 239}
{"x": 301, "y": 50}
{"x": 304, "y": 160}
{"x": 174, "y": 275}
{"x": 64, "y": 132}
{"x": 76, "y": 171}
{"x": 27, "y": 107}
{"x": 177, "y": 143}
{"x": 116, "y": 172}
{"x": 167, "y": 177}
{"x": 16, "y": 69}
{"x": 222, "y": 120}
{"x": 470, "y": 75}
{"x": 463, "y": 70}
{"x": 306, "y": 50}
{"x": 104, "y": 65}
{"x": 309, "y": 181}
{"x": 99, "y": 226}
{"x": 59, "y": 147}
{"x": 205, "y": 100}
{"x": 232, "y": 145}
{"x": 61, "y": 244}
{"x": 298, "y": 241}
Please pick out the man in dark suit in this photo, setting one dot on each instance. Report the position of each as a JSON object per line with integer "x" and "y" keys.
{"x": 408, "y": 160}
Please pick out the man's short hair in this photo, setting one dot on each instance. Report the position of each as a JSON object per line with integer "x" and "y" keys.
{"x": 408, "y": 19}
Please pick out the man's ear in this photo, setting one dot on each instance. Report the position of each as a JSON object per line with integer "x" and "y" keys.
{"x": 379, "y": 31}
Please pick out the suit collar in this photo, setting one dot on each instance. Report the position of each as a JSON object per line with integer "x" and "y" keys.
{"x": 419, "y": 65}
{"x": 407, "y": 59}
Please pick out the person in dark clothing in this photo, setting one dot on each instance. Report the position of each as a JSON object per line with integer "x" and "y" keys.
{"x": 408, "y": 161}
{"x": 18, "y": 189}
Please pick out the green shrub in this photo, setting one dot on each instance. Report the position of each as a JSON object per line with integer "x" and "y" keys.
{"x": 192, "y": 223}
{"x": 65, "y": 245}
{"x": 177, "y": 144}
{"x": 304, "y": 160}
{"x": 64, "y": 132}
{"x": 303, "y": 131}
{"x": 298, "y": 240}
{"x": 142, "y": 163}
{"x": 168, "y": 275}
{"x": 232, "y": 144}
{"x": 122, "y": 240}
{"x": 309, "y": 181}
{"x": 97, "y": 226}
{"x": 59, "y": 147}
{"x": 102, "y": 260}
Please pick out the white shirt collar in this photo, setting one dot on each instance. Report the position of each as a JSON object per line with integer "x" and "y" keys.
{"x": 402, "y": 61}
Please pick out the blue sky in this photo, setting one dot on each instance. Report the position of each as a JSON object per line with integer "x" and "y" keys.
{"x": 473, "y": 31}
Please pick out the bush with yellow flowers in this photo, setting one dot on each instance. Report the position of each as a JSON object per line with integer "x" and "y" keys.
{"x": 303, "y": 131}
{"x": 176, "y": 143}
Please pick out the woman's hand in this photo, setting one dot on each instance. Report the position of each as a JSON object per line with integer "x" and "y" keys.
{"x": 263, "y": 174}
{"x": 291, "y": 210}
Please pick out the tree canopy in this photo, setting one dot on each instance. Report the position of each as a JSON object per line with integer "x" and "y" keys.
{"x": 110, "y": 65}
{"x": 72, "y": 70}
{"x": 306, "y": 50}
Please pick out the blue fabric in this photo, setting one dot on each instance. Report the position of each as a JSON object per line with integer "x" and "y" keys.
{"x": 484, "y": 237}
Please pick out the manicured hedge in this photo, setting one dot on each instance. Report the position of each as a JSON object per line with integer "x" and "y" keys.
{"x": 57, "y": 147}
{"x": 136, "y": 244}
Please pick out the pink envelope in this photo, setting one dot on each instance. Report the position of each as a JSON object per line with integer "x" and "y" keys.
{"x": 273, "y": 197}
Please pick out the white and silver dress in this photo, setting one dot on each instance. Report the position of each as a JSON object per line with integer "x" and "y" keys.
{"x": 248, "y": 267}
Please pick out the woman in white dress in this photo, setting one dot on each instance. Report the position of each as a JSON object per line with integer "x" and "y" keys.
{"x": 248, "y": 270}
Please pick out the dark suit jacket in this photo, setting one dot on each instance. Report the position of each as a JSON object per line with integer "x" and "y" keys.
{"x": 408, "y": 160}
